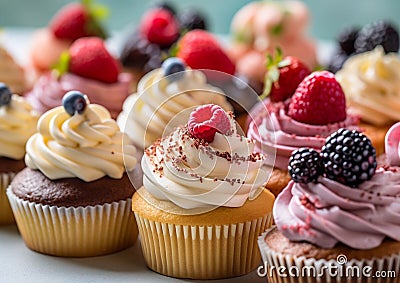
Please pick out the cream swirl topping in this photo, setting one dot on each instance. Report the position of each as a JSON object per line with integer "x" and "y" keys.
{"x": 327, "y": 212}
{"x": 371, "y": 82}
{"x": 197, "y": 175}
{"x": 17, "y": 125}
{"x": 147, "y": 114}
{"x": 88, "y": 145}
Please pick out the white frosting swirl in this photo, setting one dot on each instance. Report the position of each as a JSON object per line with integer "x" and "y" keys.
{"x": 146, "y": 114}
{"x": 17, "y": 125}
{"x": 371, "y": 82}
{"x": 195, "y": 175}
{"x": 88, "y": 146}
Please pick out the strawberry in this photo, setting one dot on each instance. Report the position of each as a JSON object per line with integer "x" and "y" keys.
{"x": 160, "y": 27}
{"x": 206, "y": 120}
{"x": 200, "y": 50}
{"x": 89, "y": 58}
{"x": 78, "y": 20}
{"x": 318, "y": 100}
{"x": 283, "y": 76}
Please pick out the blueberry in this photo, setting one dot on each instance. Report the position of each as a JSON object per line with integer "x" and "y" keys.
{"x": 5, "y": 94}
{"x": 174, "y": 69}
{"x": 74, "y": 101}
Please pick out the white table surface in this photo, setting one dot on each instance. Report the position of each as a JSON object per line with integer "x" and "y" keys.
{"x": 20, "y": 264}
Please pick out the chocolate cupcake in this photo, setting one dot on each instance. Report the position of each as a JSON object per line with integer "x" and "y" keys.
{"x": 74, "y": 198}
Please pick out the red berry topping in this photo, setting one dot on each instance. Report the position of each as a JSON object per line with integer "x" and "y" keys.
{"x": 200, "y": 50}
{"x": 78, "y": 20}
{"x": 208, "y": 119}
{"x": 318, "y": 100}
{"x": 160, "y": 27}
{"x": 89, "y": 58}
{"x": 283, "y": 76}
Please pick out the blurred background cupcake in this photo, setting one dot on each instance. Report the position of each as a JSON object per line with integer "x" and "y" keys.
{"x": 74, "y": 198}
{"x": 203, "y": 204}
{"x": 17, "y": 124}
{"x": 11, "y": 73}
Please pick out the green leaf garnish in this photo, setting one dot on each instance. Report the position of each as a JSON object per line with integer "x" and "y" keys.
{"x": 272, "y": 75}
{"x": 62, "y": 66}
{"x": 97, "y": 13}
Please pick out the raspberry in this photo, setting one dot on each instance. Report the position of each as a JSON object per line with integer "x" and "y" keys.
{"x": 348, "y": 157}
{"x": 377, "y": 33}
{"x": 208, "y": 119}
{"x": 305, "y": 165}
{"x": 318, "y": 100}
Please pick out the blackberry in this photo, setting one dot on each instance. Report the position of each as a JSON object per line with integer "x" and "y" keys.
{"x": 377, "y": 33}
{"x": 191, "y": 19}
{"x": 348, "y": 157}
{"x": 337, "y": 62}
{"x": 140, "y": 54}
{"x": 305, "y": 165}
{"x": 347, "y": 38}
{"x": 167, "y": 6}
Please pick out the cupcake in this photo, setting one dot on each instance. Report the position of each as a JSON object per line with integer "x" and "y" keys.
{"x": 73, "y": 199}
{"x": 73, "y": 21}
{"x": 371, "y": 83}
{"x": 11, "y": 73}
{"x": 17, "y": 124}
{"x": 316, "y": 109}
{"x": 87, "y": 67}
{"x": 162, "y": 95}
{"x": 338, "y": 211}
{"x": 262, "y": 26}
{"x": 203, "y": 204}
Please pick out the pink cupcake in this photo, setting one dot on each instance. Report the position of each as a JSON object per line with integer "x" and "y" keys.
{"x": 89, "y": 68}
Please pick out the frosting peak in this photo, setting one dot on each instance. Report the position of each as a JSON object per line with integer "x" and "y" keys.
{"x": 17, "y": 124}
{"x": 88, "y": 145}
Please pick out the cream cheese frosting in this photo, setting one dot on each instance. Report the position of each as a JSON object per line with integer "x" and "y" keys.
{"x": 49, "y": 90}
{"x": 371, "y": 83}
{"x": 88, "y": 145}
{"x": 147, "y": 114}
{"x": 200, "y": 176}
{"x": 327, "y": 212}
{"x": 274, "y": 131}
{"x": 17, "y": 125}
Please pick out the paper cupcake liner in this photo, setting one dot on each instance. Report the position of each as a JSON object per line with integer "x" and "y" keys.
{"x": 75, "y": 231}
{"x": 201, "y": 252}
{"x": 280, "y": 268}
{"x": 6, "y": 214}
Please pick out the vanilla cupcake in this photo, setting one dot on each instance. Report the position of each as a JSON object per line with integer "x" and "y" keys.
{"x": 73, "y": 199}
{"x": 163, "y": 94}
{"x": 338, "y": 211}
{"x": 17, "y": 124}
{"x": 371, "y": 82}
{"x": 203, "y": 204}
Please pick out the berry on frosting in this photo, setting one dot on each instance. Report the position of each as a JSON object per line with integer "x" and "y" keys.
{"x": 283, "y": 76}
{"x": 78, "y": 20}
{"x": 208, "y": 119}
{"x": 348, "y": 157}
{"x": 318, "y": 100}
{"x": 160, "y": 26}
{"x": 5, "y": 95}
{"x": 200, "y": 50}
{"x": 88, "y": 57}
{"x": 74, "y": 102}
{"x": 191, "y": 19}
{"x": 305, "y": 165}
{"x": 174, "y": 68}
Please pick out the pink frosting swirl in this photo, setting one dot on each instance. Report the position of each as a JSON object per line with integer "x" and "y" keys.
{"x": 48, "y": 91}
{"x": 276, "y": 130}
{"x": 327, "y": 212}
